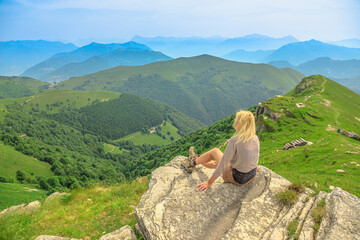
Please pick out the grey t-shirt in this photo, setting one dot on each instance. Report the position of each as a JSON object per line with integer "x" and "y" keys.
{"x": 242, "y": 156}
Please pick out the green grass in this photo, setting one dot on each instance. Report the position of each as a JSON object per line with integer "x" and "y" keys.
{"x": 139, "y": 138}
{"x": 318, "y": 213}
{"x": 316, "y": 163}
{"x": 12, "y": 160}
{"x": 15, "y": 194}
{"x": 57, "y": 99}
{"x": 87, "y": 213}
{"x": 109, "y": 148}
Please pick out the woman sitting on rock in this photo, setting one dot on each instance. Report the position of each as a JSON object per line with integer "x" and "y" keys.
{"x": 239, "y": 163}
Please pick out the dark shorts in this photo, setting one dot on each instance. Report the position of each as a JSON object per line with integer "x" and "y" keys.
{"x": 242, "y": 178}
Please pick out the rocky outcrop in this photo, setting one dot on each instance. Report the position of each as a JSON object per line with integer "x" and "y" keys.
{"x": 342, "y": 218}
{"x": 31, "y": 205}
{"x": 23, "y": 207}
{"x": 124, "y": 233}
{"x": 173, "y": 208}
{"x": 266, "y": 110}
{"x": 296, "y": 143}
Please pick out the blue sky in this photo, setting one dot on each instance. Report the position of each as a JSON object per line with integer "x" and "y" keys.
{"x": 82, "y": 21}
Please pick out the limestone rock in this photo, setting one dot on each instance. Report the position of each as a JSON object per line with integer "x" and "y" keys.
{"x": 124, "y": 233}
{"x": 340, "y": 170}
{"x": 299, "y": 105}
{"x": 56, "y": 195}
{"x": 173, "y": 207}
{"x": 23, "y": 207}
{"x": 342, "y": 217}
{"x": 48, "y": 237}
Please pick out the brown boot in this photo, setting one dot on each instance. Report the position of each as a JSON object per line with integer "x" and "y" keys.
{"x": 188, "y": 163}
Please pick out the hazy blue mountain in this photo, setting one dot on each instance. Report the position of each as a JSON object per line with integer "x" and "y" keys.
{"x": 300, "y": 52}
{"x": 218, "y": 46}
{"x": 282, "y": 64}
{"x": 331, "y": 68}
{"x": 240, "y": 55}
{"x": 345, "y": 72}
{"x": 16, "y": 56}
{"x": 78, "y": 55}
{"x": 255, "y": 42}
{"x": 353, "y": 43}
{"x": 182, "y": 46}
{"x": 104, "y": 61}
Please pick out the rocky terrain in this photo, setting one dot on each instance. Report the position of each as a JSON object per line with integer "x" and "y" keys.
{"x": 173, "y": 208}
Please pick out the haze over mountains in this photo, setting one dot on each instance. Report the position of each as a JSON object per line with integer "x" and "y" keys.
{"x": 17, "y": 56}
{"x": 218, "y": 46}
{"x": 254, "y": 48}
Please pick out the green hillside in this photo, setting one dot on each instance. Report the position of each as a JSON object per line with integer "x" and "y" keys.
{"x": 54, "y": 100}
{"x": 316, "y": 163}
{"x": 12, "y": 161}
{"x": 62, "y": 139}
{"x": 16, "y": 87}
{"x": 16, "y": 193}
{"x": 204, "y": 87}
{"x": 166, "y": 134}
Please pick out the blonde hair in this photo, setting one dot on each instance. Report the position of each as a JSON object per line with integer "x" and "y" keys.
{"x": 244, "y": 125}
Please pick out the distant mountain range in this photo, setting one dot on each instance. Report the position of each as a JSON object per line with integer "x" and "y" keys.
{"x": 104, "y": 61}
{"x": 346, "y": 72}
{"x": 218, "y": 46}
{"x": 40, "y": 70}
{"x": 16, "y": 56}
{"x": 352, "y": 43}
{"x": 296, "y": 53}
{"x": 204, "y": 87}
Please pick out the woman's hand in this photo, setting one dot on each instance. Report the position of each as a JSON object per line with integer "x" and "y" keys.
{"x": 204, "y": 186}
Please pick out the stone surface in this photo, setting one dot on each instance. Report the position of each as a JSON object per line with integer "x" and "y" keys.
{"x": 56, "y": 195}
{"x": 342, "y": 217}
{"x": 23, "y": 207}
{"x": 124, "y": 233}
{"x": 48, "y": 237}
{"x": 173, "y": 208}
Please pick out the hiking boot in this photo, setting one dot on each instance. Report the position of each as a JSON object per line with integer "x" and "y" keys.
{"x": 188, "y": 163}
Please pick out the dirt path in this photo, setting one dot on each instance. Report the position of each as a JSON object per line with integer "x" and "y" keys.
{"x": 323, "y": 85}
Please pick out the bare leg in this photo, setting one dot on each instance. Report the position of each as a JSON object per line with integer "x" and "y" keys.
{"x": 205, "y": 158}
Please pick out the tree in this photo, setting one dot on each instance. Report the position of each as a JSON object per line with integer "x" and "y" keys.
{"x": 20, "y": 176}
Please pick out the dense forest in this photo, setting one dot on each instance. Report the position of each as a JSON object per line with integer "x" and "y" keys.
{"x": 119, "y": 117}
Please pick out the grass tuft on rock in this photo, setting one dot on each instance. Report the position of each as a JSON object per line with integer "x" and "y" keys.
{"x": 287, "y": 197}
{"x": 297, "y": 187}
{"x": 318, "y": 213}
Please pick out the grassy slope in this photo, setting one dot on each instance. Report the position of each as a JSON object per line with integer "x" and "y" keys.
{"x": 318, "y": 162}
{"x": 109, "y": 148}
{"x": 139, "y": 139}
{"x": 12, "y": 160}
{"x": 192, "y": 84}
{"x": 88, "y": 214}
{"x": 75, "y": 99}
{"x": 15, "y": 194}
{"x": 15, "y": 87}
